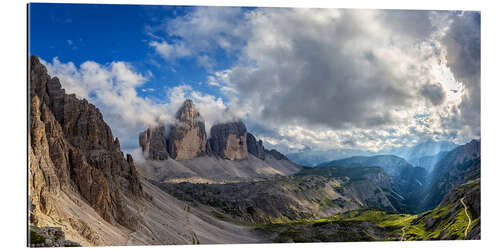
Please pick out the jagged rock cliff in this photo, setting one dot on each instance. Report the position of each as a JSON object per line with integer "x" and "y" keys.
{"x": 276, "y": 154}
{"x": 458, "y": 166}
{"x": 187, "y": 138}
{"x": 254, "y": 147}
{"x": 71, "y": 149}
{"x": 153, "y": 142}
{"x": 229, "y": 140}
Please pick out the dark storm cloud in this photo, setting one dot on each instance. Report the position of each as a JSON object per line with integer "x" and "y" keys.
{"x": 413, "y": 23}
{"x": 325, "y": 72}
{"x": 463, "y": 45}
{"x": 434, "y": 93}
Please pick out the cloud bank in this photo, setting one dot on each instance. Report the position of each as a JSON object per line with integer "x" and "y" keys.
{"x": 306, "y": 78}
{"x": 323, "y": 77}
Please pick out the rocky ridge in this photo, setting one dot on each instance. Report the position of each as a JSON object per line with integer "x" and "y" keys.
{"x": 456, "y": 167}
{"x": 72, "y": 149}
{"x": 406, "y": 181}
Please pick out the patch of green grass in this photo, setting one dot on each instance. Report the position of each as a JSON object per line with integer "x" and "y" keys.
{"x": 458, "y": 225}
{"x": 377, "y": 217}
{"x": 35, "y": 238}
{"x": 320, "y": 220}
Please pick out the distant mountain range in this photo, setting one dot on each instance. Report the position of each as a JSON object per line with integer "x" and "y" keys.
{"x": 424, "y": 149}
{"x": 391, "y": 164}
{"x": 311, "y": 158}
{"x": 413, "y": 155}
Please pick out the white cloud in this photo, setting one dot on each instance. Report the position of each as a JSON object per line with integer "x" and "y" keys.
{"x": 148, "y": 90}
{"x": 206, "y": 62}
{"x": 170, "y": 51}
{"x": 199, "y": 33}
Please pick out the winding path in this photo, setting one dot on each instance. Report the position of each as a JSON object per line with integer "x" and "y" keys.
{"x": 470, "y": 221}
{"x": 403, "y": 235}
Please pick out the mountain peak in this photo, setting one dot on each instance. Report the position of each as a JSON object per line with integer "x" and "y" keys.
{"x": 187, "y": 112}
{"x": 187, "y": 138}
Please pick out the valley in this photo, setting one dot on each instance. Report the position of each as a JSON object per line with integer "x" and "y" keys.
{"x": 448, "y": 221}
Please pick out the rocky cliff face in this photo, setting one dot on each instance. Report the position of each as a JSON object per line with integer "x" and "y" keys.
{"x": 276, "y": 154}
{"x": 187, "y": 138}
{"x": 458, "y": 166}
{"x": 153, "y": 142}
{"x": 406, "y": 181}
{"x": 229, "y": 140}
{"x": 254, "y": 147}
{"x": 72, "y": 149}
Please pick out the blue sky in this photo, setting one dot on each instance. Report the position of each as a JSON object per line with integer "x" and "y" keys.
{"x": 299, "y": 78}
{"x": 105, "y": 33}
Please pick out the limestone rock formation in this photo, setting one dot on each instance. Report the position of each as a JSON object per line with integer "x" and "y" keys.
{"x": 229, "y": 140}
{"x": 276, "y": 154}
{"x": 153, "y": 142}
{"x": 255, "y": 148}
{"x": 187, "y": 138}
{"x": 72, "y": 149}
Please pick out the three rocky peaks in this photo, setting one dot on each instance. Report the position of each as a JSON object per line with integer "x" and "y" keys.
{"x": 187, "y": 139}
